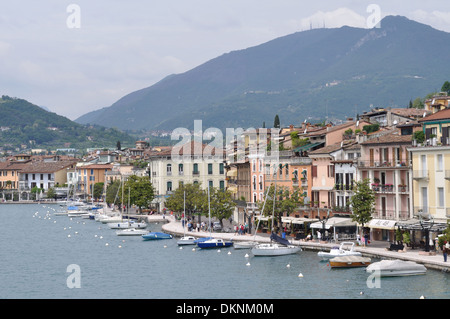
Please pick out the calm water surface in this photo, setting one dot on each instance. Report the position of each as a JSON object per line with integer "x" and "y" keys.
{"x": 36, "y": 250}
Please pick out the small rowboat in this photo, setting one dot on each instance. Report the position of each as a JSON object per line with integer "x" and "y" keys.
{"x": 349, "y": 262}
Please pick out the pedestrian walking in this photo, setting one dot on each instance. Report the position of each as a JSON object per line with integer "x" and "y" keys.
{"x": 445, "y": 250}
{"x": 319, "y": 235}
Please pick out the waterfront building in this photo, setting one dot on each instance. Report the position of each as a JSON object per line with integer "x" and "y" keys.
{"x": 431, "y": 167}
{"x": 88, "y": 174}
{"x": 385, "y": 161}
{"x": 190, "y": 163}
{"x": 44, "y": 175}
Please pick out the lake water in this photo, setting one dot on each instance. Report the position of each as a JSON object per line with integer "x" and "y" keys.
{"x": 37, "y": 248}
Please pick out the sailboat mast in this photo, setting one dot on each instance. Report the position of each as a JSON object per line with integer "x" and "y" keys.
{"x": 209, "y": 210}
{"x": 184, "y": 212}
{"x": 274, "y": 196}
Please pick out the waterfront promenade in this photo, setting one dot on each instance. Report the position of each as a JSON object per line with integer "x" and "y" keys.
{"x": 376, "y": 249}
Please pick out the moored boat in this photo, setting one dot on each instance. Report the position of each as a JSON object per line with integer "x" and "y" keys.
{"x": 349, "y": 262}
{"x": 131, "y": 232}
{"x": 187, "y": 240}
{"x": 339, "y": 251}
{"x": 214, "y": 243}
{"x": 156, "y": 236}
{"x": 396, "y": 267}
{"x": 279, "y": 247}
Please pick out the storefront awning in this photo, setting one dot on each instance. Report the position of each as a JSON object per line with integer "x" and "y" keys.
{"x": 334, "y": 222}
{"x": 382, "y": 224}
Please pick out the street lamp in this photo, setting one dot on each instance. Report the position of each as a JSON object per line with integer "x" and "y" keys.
{"x": 324, "y": 221}
{"x": 426, "y": 222}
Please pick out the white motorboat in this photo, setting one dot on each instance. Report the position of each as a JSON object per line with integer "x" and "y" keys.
{"x": 274, "y": 249}
{"x": 131, "y": 232}
{"x": 187, "y": 240}
{"x": 129, "y": 224}
{"x": 279, "y": 247}
{"x": 340, "y": 251}
{"x": 110, "y": 219}
{"x": 396, "y": 267}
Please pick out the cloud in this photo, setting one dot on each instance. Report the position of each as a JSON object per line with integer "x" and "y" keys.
{"x": 438, "y": 19}
{"x": 333, "y": 19}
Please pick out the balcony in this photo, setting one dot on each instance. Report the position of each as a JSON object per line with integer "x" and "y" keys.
{"x": 420, "y": 175}
{"x": 447, "y": 174}
{"x": 384, "y": 164}
{"x": 391, "y": 214}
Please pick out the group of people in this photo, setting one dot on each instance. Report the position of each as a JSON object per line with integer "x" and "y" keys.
{"x": 193, "y": 226}
{"x": 241, "y": 229}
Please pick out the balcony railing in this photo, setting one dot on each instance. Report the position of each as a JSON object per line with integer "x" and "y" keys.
{"x": 384, "y": 164}
{"x": 420, "y": 175}
{"x": 391, "y": 215}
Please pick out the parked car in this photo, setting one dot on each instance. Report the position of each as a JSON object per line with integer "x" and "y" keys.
{"x": 217, "y": 226}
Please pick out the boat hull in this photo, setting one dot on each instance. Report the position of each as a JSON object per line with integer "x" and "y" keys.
{"x": 131, "y": 232}
{"x": 188, "y": 240}
{"x": 214, "y": 243}
{"x": 396, "y": 268}
{"x": 349, "y": 262}
{"x": 274, "y": 250}
{"x": 156, "y": 236}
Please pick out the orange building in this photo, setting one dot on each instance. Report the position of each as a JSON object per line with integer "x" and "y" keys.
{"x": 90, "y": 174}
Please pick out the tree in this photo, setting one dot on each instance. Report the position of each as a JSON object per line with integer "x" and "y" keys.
{"x": 98, "y": 190}
{"x": 140, "y": 190}
{"x": 362, "y": 202}
{"x": 221, "y": 203}
{"x": 194, "y": 199}
{"x": 446, "y": 87}
{"x": 112, "y": 193}
{"x": 276, "y": 122}
{"x": 285, "y": 201}
{"x": 51, "y": 193}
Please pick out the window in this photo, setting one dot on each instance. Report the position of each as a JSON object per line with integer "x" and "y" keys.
{"x": 169, "y": 186}
{"x": 169, "y": 169}
{"x": 210, "y": 169}
{"x": 254, "y": 182}
{"x": 221, "y": 171}
{"x": 195, "y": 172}
{"x": 424, "y": 193}
{"x": 260, "y": 182}
{"x": 441, "y": 197}
{"x": 92, "y": 172}
{"x": 440, "y": 163}
{"x": 222, "y": 185}
{"x": 180, "y": 169}
{"x": 210, "y": 184}
{"x": 253, "y": 165}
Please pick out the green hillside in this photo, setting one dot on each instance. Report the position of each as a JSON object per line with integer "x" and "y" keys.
{"x": 23, "y": 123}
{"x": 311, "y": 74}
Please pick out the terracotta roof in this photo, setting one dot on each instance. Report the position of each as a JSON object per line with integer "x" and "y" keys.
{"x": 97, "y": 166}
{"x": 331, "y": 148}
{"x": 46, "y": 167}
{"x": 195, "y": 148}
{"x": 388, "y": 139}
{"x": 440, "y": 115}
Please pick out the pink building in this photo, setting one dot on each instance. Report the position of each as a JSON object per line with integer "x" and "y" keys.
{"x": 386, "y": 162}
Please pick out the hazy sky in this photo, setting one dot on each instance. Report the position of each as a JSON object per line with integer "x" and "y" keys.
{"x": 75, "y": 59}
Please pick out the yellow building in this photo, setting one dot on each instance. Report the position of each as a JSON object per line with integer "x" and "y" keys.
{"x": 431, "y": 167}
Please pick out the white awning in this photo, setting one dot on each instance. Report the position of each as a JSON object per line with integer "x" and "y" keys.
{"x": 334, "y": 222}
{"x": 382, "y": 224}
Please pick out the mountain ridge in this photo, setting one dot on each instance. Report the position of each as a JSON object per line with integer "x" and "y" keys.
{"x": 315, "y": 73}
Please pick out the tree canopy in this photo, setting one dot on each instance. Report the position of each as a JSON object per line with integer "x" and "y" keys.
{"x": 362, "y": 202}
